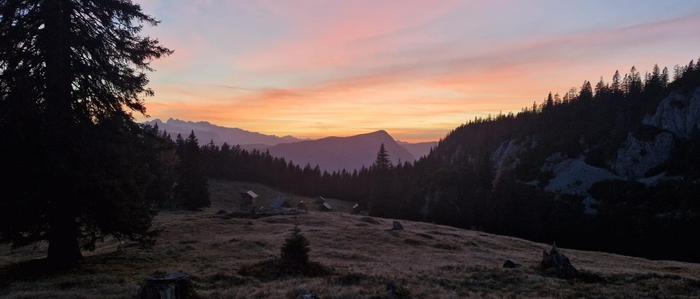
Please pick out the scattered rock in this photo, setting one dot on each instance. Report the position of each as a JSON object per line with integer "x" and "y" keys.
{"x": 396, "y": 292}
{"x": 302, "y": 294}
{"x": 447, "y": 246}
{"x": 557, "y": 264}
{"x": 396, "y": 226}
{"x": 510, "y": 264}
{"x": 356, "y": 209}
{"x": 413, "y": 242}
{"x": 221, "y": 212}
{"x": 168, "y": 286}
{"x": 266, "y": 212}
{"x": 369, "y": 220}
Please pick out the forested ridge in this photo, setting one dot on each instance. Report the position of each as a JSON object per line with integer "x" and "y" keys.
{"x": 463, "y": 182}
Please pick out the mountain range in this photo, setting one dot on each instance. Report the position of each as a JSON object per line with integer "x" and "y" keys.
{"x": 329, "y": 153}
{"x": 206, "y": 132}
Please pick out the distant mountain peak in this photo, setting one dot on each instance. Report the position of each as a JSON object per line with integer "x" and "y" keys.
{"x": 336, "y": 153}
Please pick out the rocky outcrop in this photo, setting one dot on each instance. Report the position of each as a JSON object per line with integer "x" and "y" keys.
{"x": 506, "y": 156}
{"x": 678, "y": 114}
{"x": 635, "y": 158}
{"x": 574, "y": 176}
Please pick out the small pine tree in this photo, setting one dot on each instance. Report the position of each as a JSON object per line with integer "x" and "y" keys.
{"x": 296, "y": 248}
{"x": 382, "y": 162}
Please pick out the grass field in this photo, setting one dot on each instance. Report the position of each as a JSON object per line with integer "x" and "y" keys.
{"x": 427, "y": 260}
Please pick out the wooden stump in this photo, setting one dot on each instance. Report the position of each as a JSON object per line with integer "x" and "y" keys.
{"x": 169, "y": 286}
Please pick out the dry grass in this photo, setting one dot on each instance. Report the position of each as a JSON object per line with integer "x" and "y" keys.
{"x": 428, "y": 261}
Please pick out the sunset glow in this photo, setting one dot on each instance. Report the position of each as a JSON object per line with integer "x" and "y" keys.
{"x": 414, "y": 68}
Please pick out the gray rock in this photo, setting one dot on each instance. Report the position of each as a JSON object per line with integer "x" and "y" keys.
{"x": 637, "y": 157}
{"x": 556, "y": 264}
{"x": 393, "y": 291}
{"x": 303, "y": 294}
{"x": 510, "y": 264}
{"x": 575, "y": 176}
{"x": 396, "y": 226}
{"x": 678, "y": 114}
{"x": 169, "y": 286}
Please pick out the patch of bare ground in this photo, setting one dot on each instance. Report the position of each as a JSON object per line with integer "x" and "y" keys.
{"x": 423, "y": 260}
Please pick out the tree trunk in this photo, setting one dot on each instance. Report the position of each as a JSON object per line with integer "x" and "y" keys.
{"x": 64, "y": 250}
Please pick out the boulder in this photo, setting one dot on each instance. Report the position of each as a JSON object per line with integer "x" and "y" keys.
{"x": 168, "y": 286}
{"x": 396, "y": 226}
{"x": 510, "y": 264}
{"x": 301, "y": 205}
{"x": 394, "y": 291}
{"x": 303, "y": 294}
{"x": 556, "y": 264}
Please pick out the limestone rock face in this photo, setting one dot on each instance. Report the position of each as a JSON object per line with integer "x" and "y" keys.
{"x": 575, "y": 176}
{"x": 678, "y": 114}
{"x": 635, "y": 158}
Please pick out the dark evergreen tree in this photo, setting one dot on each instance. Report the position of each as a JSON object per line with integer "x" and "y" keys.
{"x": 191, "y": 189}
{"x": 586, "y": 93}
{"x": 72, "y": 73}
{"x": 616, "y": 85}
{"x": 296, "y": 248}
{"x": 549, "y": 103}
{"x": 382, "y": 163}
{"x": 380, "y": 195}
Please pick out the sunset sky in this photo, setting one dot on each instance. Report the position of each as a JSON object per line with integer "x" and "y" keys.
{"x": 414, "y": 68}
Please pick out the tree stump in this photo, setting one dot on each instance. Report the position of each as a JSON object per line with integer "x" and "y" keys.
{"x": 169, "y": 286}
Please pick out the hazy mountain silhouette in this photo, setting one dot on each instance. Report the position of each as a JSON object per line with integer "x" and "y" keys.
{"x": 206, "y": 132}
{"x": 418, "y": 150}
{"x": 331, "y": 153}
{"x": 336, "y": 153}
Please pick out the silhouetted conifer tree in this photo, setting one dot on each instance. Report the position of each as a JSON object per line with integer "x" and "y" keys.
{"x": 72, "y": 73}
{"x": 191, "y": 191}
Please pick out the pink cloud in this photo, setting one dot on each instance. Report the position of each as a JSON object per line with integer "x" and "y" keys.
{"x": 338, "y": 37}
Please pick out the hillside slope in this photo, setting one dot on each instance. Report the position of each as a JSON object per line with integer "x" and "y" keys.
{"x": 430, "y": 261}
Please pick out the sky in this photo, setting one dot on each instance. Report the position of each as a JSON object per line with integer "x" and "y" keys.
{"x": 416, "y": 68}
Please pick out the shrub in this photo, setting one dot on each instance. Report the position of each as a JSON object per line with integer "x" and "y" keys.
{"x": 296, "y": 248}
